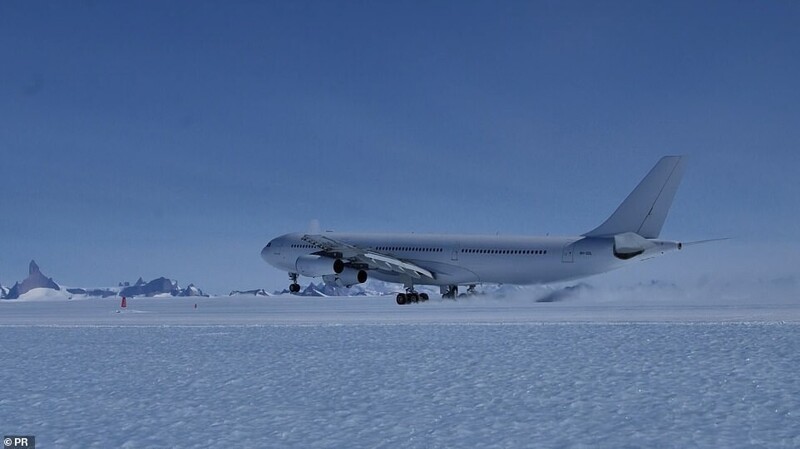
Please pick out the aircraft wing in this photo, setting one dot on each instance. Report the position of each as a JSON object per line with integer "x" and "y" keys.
{"x": 389, "y": 263}
{"x": 373, "y": 259}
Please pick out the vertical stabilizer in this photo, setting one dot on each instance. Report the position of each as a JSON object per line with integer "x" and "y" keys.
{"x": 645, "y": 209}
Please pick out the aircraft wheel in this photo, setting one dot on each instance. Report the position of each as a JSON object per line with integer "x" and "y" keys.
{"x": 294, "y": 288}
{"x": 401, "y": 298}
{"x": 413, "y": 297}
{"x": 423, "y": 296}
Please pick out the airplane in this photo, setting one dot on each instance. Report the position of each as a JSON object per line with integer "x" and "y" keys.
{"x": 449, "y": 261}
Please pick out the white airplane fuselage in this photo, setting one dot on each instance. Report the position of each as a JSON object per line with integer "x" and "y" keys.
{"x": 475, "y": 259}
{"x": 629, "y": 234}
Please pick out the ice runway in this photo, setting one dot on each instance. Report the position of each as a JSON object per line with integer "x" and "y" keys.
{"x": 249, "y": 310}
{"x": 364, "y": 372}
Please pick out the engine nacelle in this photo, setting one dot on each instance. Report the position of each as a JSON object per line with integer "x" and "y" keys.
{"x": 314, "y": 266}
{"x": 347, "y": 278}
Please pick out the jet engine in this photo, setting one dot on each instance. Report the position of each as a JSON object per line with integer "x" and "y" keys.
{"x": 314, "y": 266}
{"x": 347, "y": 278}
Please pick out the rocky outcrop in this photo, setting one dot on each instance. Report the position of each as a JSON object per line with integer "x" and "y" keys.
{"x": 95, "y": 292}
{"x": 35, "y": 279}
{"x": 191, "y": 290}
{"x": 155, "y": 287}
{"x": 160, "y": 286}
{"x": 257, "y": 292}
{"x": 324, "y": 289}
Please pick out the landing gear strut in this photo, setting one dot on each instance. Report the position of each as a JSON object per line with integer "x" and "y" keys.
{"x": 449, "y": 292}
{"x": 294, "y": 287}
{"x": 410, "y": 296}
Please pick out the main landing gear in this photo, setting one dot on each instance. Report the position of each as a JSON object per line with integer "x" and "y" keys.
{"x": 449, "y": 291}
{"x": 294, "y": 287}
{"x": 411, "y": 296}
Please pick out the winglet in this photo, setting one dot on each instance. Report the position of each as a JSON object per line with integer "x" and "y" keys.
{"x": 645, "y": 209}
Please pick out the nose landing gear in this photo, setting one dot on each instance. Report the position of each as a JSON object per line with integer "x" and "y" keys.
{"x": 294, "y": 287}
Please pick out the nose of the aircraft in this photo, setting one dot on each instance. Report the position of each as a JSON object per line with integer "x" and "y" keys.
{"x": 265, "y": 252}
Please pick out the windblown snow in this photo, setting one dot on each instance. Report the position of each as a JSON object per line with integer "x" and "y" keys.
{"x": 251, "y": 371}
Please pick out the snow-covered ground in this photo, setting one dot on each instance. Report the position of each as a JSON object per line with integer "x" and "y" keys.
{"x": 363, "y": 372}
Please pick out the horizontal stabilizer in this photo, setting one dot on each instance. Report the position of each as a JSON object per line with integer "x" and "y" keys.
{"x": 699, "y": 242}
{"x": 644, "y": 211}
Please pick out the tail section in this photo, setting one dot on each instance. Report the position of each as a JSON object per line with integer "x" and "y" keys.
{"x": 644, "y": 211}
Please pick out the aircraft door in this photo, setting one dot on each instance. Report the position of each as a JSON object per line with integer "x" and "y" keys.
{"x": 568, "y": 255}
{"x": 454, "y": 256}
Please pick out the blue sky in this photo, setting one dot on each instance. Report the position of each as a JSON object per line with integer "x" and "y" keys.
{"x": 176, "y": 138}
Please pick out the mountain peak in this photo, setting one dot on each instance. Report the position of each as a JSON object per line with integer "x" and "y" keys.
{"x": 35, "y": 279}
